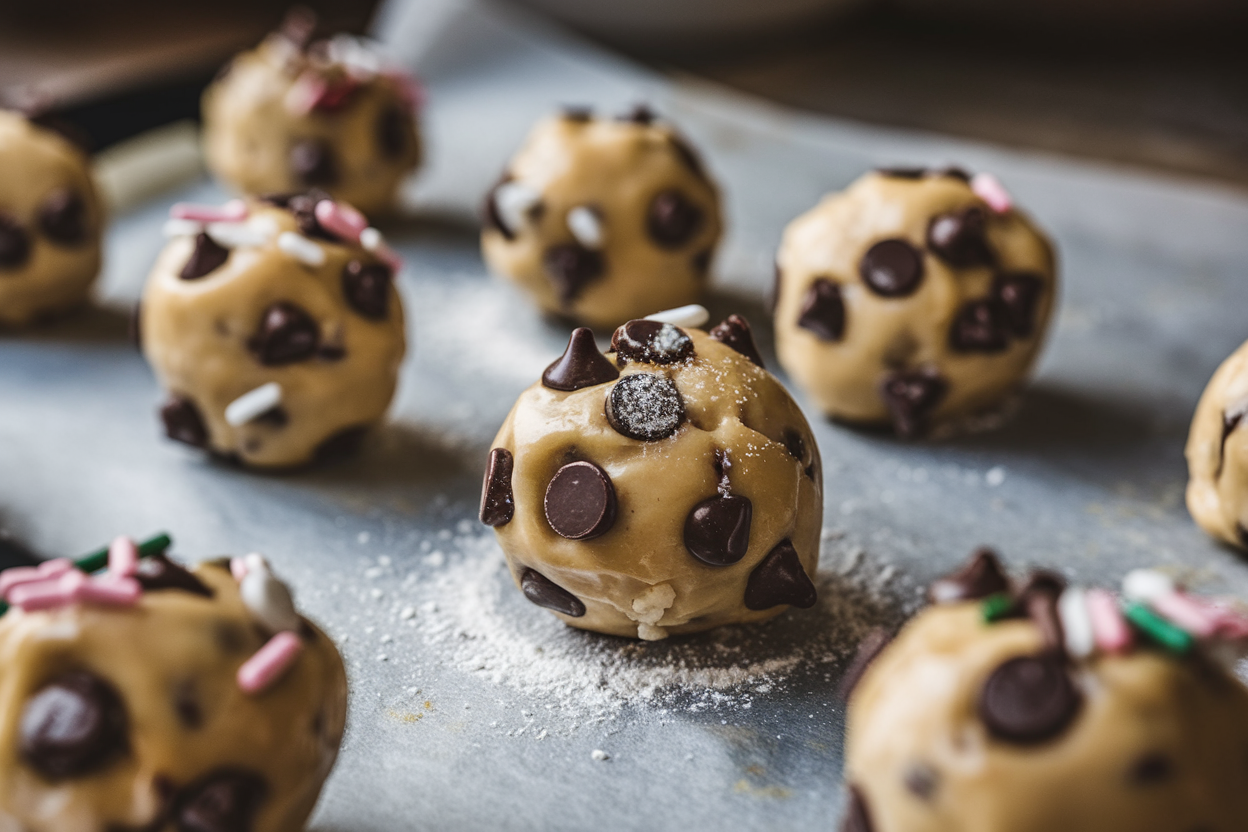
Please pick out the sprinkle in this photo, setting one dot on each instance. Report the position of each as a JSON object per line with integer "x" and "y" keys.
{"x": 63, "y": 567}
{"x": 1076, "y": 623}
{"x": 267, "y": 598}
{"x": 1146, "y": 584}
{"x": 302, "y": 96}
{"x": 692, "y": 315}
{"x": 110, "y": 590}
{"x": 341, "y": 219}
{"x": 181, "y": 228}
{"x": 43, "y": 595}
{"x": 372, "y": 240}
{"x": 586, "y": 226}
{"x": 988, "y": 188}
{"x": 250, "y": 234}
{"x": 123, "y": 557}
{"x": 233, "y": 211}
{"x": 513, "y": 201}
{"x": 996, "y": 607}
{"x": 98, "y": 559}
{"x": 1183, "y": 611}
{"x": 20, "y": 575}
{"x": 269, "y": 663}
{"x": 1159, "y": 629}
{"x": 238, "y": 568}
{"x": 253, "y": 403}
{"x": 1110, "y": 628}
{"x": 301, "y": 248}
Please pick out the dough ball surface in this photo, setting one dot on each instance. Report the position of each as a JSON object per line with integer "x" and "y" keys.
{"x": 1217, "y": 453}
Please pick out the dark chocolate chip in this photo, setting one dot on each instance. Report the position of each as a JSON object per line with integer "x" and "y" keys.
{"x": 72, "y": 726}
{"x": 639, "y": 114}
{"x": 892, "y": 268}
{"x": 1029, "y": 699}
{"x": 794, "y": 444}
{"x": 286, "y": 334}
{"x": 823, "y": 311}
{"x": 857, "y": 816}
{"x": 366, "y": 286}
{"x": 158, "y": 573}
{"x": 183, "y": 422}
{"x": 1151, "y": 769}
{"x": 911, "y": 396}
{"x": 921, "y": 780}
{"x": 645, "y": 406}
{"x": 902, "y": 172}
{"x": 979, "y": 577}
{"x": 227, "y": 800}
{"x": 493, "y": 219}
{"x": 303, "y": 206}
{"x": 393, "y": 124}
{"x": 580, "y": 501}
{"x": 546, "y": 593}
{"x": 186, "y": 706}
{"x": 701, "y": 262}
{"x": 571, "y": 268}
{"x": 581, "y": 364}
{"x": 342, "y": 444}
{"x": 134, "y": 327}
{"x": 960, "y": 238}
{"x": 497, "y": 504}
{"x": 672, "y": 220}
{"x": 1038, "y": 598}
{"x": 651, "y": 342}
{"x": 872, "y": 644}
{"x": 780, "y": 579}
{"x": 312, "y": 162}
{"x": 206, "y": 258}
{"x": 331, "y": 352}
{"x": 735, "y": 332}
{"x": 980, "y": 326}
{"x": 1019, "y": 294}
{"x": 63, "y": 217}
{"x": 955, "y": 172}
{"x": 576, "y": 112}
{"x": 717, "y": 530}
{"x": 14, "y": 243}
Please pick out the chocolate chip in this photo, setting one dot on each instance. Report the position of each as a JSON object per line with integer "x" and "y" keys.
{"x": 580, "y": 501}
{"x": 366, "y": 286}
{"x": 701, "y": 262}
{"x": 206, "y": 258}
{"x": 955, "y": 172}
{"x": 902, "y": 172}
{"x": 1038, "y": 597}
{"x": 717, "y": 530}
{"x": 672, "y": 219}
{"x": 158, "y": 573}
{"x": 857, "y": 817}
{"x": 581, "y": 364}
{"x": 645, "y": 406}
{"x": 286, "y": 334}
{"x": 72, "y": 726}
{"x": 186, "y": 706}
{"x": 651, "y": 342}
{"x": 312, "y": 162}
{"x": 183, "y": 422}
{"x": 823, "y": 311}
{"x": 303, "y": 206}
{"x": 979, "y": 577}
{"x": 571, "y": 268}
{"x": 392, "y": 128}
{"x": 980, "y": 326}
{"x": 576, "y": 112}
{"x": 1151, "y": 769}
{"x": 342, "y": 444}
{"x": 63, "y": 217}
{"x": 1019, "y": 294}
{"x": 779, "y": 579}
{"x": 960, "y": 238}
{"x": 794, "y": 444}
{"x": 134, "y": 327}
{"x": 892, "y": 268}
{"x": 734, "y": 331}
{"x": 872, "y": 644}
{"x": 546, "y": 593}
{"x": 227, "y": 800}
{"x": 911, "y": 396}
{"x": 640, "y": 114}
{"x": 497, "y": 504}
{"x": 921, "y": 780}
{"x": 1029, "y": 699}
{"x": 14, "y": 243}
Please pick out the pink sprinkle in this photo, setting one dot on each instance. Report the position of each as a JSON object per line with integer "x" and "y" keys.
{"x": 1182, "y": 611}
{"x": 123, "y": 557}
{"x": 1231, "y": 624}
{"x": 233, "y": 211}
{"x": 341, "y": 219}
{"x": 303, "y": 95}
{"x": 109, "y": 590}
{"x": 238, "y": 568}
{"x": 1112, "y": 633}
{"x": 48, "y": 594}
{"x": 988, "y": 188}
{"x": 270, "y": 662}
{"x": 19, "y": 575}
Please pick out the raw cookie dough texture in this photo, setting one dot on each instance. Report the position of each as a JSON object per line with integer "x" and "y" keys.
{"x": 275, "y": 327}
{"x": 914, "y": 298}
{"x": 602, "y": 220}
{"x": 50, "y": 220}
{"x": 161, "y": 699}
{"x": 668, "y": 487}
{"x": 290, "y": 115}
{"x": 1217, "y": 453}
{"x": 1037, "y": 707}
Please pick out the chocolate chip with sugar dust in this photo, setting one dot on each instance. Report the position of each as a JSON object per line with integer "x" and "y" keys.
{"x": 206, "y": 258}
{"x": 63, "y": 217}
{"x": 366, "y": 286}
{"x": 312, "y": 162}
{"x": 823, "y": 311}
{"x": 981, "y": 576}
{"x": 497, "y": 503}
{"x": 717, "y": 530}
{"x": 546, "y": 593}
{"x": 780, "y": 579}
{"x": 183, "y": 422}
{"x": 581, "y": 364}
{"x": 911, "y": 396}
{"x": 286, "y": 334}
{"x": 14, "y": 243}
{"x": 892, "y": 268}
{"x": 645, "y": 406}
{"x": 651, "y": 342}
{"x": 226, "y": 800}
{"x": 960, "y": 238}
{"x": 1029, "y": 700}
{"x": 72, "y": 726}
{"x": 673, "y": 220}
{"x": 580, "y": 501}
{"x": 734, "y": 331}
{"x": 571, "y": 268}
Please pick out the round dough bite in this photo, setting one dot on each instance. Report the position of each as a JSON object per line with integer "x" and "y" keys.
{"x": 290, "y": 115}
{"x": 1217, "y": 454}
{"x": 273, "y": 327}
{"x": 916, "y": 298}
{"x": 1039, "y": 707}
{"x": 157, "y": 698}
{"x": 601, "y": 220}
{"x": 50, "y": 221}
{"x": 668, "y": 487}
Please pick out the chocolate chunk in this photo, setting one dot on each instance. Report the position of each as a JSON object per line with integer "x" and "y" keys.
{"x": 183, "y": 422}
{"x": 74, "y": 725}
{"x": 979, "y": 577}
{"x": 701, "y": 262}
{"x": 779, "y": 579}
{"x": 1029, "y": 699}
{"x": 921, "y": 780}
{"x": 672, "y": 220}
{"x": 303, "y": 206}
{"x": 911, "y": 396}
{"x": 286, "y": 334}
{"x": 546, "y": 593}
{"x": 571, "y": 268}
{"x": 1151, "y": 769}
{"x": 980, "y": 326}
{"x": 392, "y": 129}
{"x": 872, "y": 644}
{"x": 892, "y": 268}
{"x": 63, "y": 217}
{"x": 857, "y": 817}
{"x": 960, "y": 238}
{"x": 651, "y": 342}
{"x": 312, "y": 162}
{"x": 276, "y": 416}
{"x": 14, "y": 243}
{"x": 580, "y": 501}
{"x": 717, "y": 530}
{"x": 1038, "y": 597}
{"x": 158, "y": 573}
{"x": 581, "y": 365}
{"x": 206, "y": 258}
{"x": 366, "y": 286}
{"x": 1019, "y": 294}
{"x": 497, "y": 504}
{"x": 645, "y": 406}
{"x": 227, "y": 800}
{"x": 796, "y": 446}
{"x": 823, "y": 311}
{"x": 576, "y": 112}
{"x": 639, "y": 114}
{"x": 735, "y": 332}
{"x": 687, "y": 155}
{"x": 134, "y": 327}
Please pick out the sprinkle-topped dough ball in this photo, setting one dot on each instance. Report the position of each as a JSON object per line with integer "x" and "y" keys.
{"x": 1217, "y": 453}
{"x": 603, "y": 220}
{"x": 1044, "y": 707}
{"x": 50, "y": 220}
{"x": 274, "y": 326}
{"x": 668, "y": 487}
{"x": 290, "y": 115}
{"x": 159, "y": 698}
{"x": 916, "y": 298}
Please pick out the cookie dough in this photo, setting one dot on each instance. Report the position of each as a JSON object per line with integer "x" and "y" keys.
{"x": 275, "y": 327}
{"x": 602, "y": 220}
{"x": 1217, "y": 453}
{"x": 1043, "y": 707}
{"x": 50, "y": 220}
{"x": 669, "y": 486}
{"x": 149, "y": 699}
{"x": 916, "y": 298}
{"x": 331, "y": 114}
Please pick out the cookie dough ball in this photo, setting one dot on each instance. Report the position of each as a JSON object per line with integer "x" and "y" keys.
{"x": 287, "y": 116}
{"x": 1217, "y": 453}
{"x": 602, "y": 220}
{"x": 162, "y": 698}
{"x": 1050, "y": 708}
{"x": 275, "y": 327}
{"x": 668, "y": 487}
{"x": 50, "y": 220}
{"x": 913, "y": 298}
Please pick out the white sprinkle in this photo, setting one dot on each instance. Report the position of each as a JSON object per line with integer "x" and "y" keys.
{"x": 407, "y": 613}
{"x": 268, "y": 599}
{"x": 1146, "y": 584}
{"x": 694, "y": 314}
{"x": 600, "y": 755}
{"x": 995, "y": 476}
{"x": 1072, "y": 608}
{"x": 586, "y": 226}
{"x": 371, "y": 239}
{"x": 251, "y": 404}
{"x": 181, "y": 228}
{"x": 513, "y": 201}
{"x": 301, "y": 248}
{"x": 249, "y": 234}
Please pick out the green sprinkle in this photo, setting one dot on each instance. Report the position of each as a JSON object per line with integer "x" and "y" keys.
{"x": 996, "y": 607}
{"x": 1175, "y": 639}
